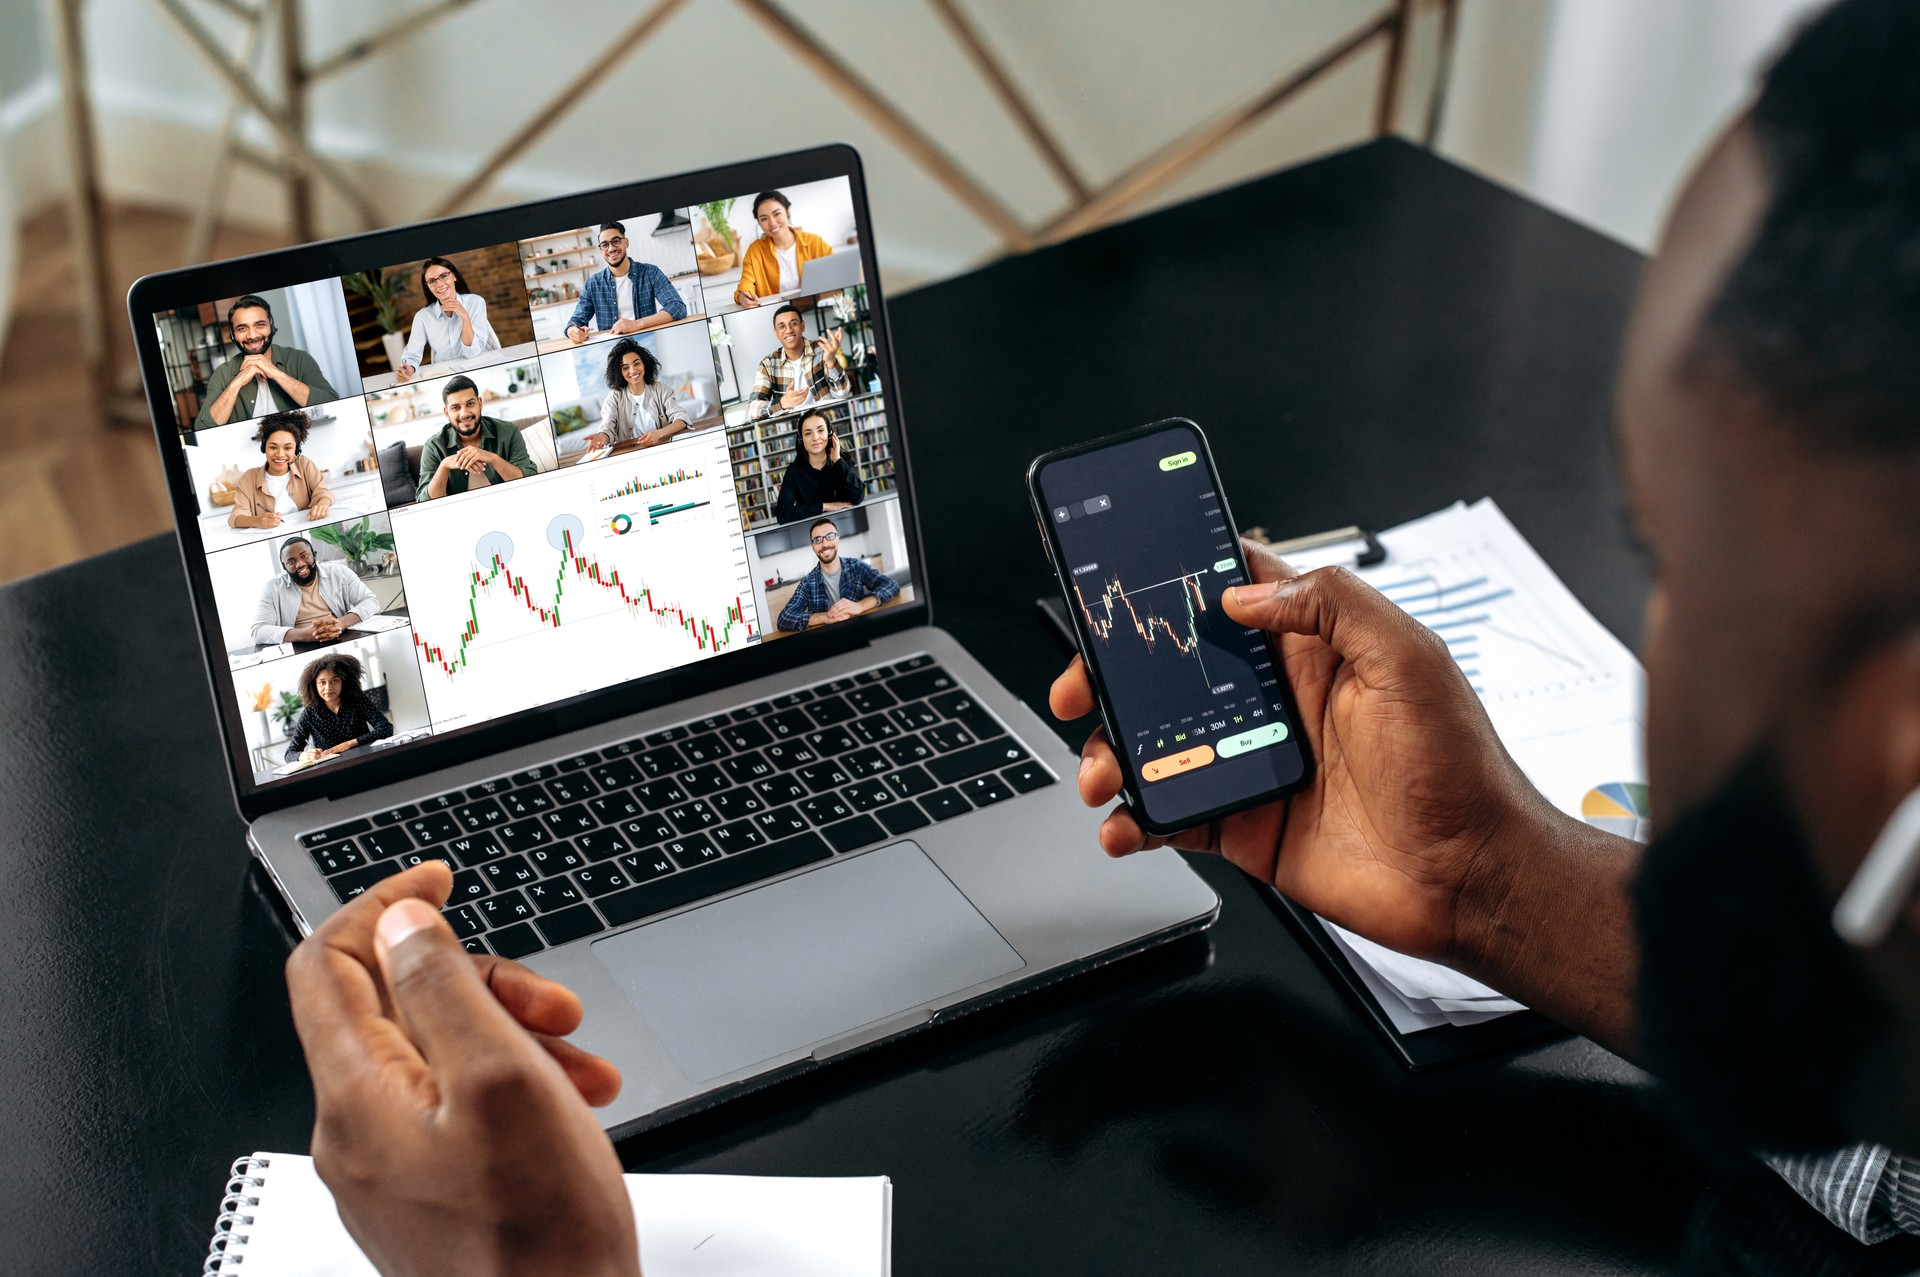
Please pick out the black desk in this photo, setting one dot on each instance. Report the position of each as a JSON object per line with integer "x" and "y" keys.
{"x": 1418, "y": 335}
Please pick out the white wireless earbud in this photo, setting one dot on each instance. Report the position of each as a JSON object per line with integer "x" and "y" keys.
{"x": 1884, "y": 880}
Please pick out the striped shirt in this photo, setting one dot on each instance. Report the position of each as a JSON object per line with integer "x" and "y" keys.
{"x": 1868, "y": 1190}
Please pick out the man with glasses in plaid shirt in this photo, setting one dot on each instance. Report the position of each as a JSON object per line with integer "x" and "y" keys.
{"x": 801, "y": 372}
{"x": 837, "y": 589}
{"x": 626, "y": 297}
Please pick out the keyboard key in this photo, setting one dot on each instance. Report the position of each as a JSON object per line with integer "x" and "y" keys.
{"x": 441, "y": 802}
{"x": 782, "y": 823}
{"x": 787, "y": 755}
{"x": 915, "y": 717}
{"x": 875, "y": 729}
{"x": 726, "y": 874}
{"x": 569, "y": 821}
{"x": 529, "y": 776}
{"x": 863, "y": 763}
{"x": 945, "y": 804}
{"x": 467, "y": 885}
{"x": 825, "y": 809}
{"x": 666, "y": 736}
{"x": 830, "y": 741}
{"x": 354, "y": 881}
{"x": 906, "y": 750}
{"x": 623, "y": 749}
{"x": 555, "y": 893}
{"x": 823, "y": 777}
{"x": 516, "y": 941}
{"x": 911, "y": 782}
{"x": 902, "y": 818}
{"x": 611, "y": 809}
{"x": 746, "y": 712}
{"x": 711, "y": 723}
{"x": 659, "y": 794}
{"x": 396, "y": 815}
{"x": 829, "y": 710}
{"x": 601, "y": 844}
{"x": 598, "y": 880}
{"x": 744, "y": 736}
{"x": 791, "y": 699}
{"x": 969, "y": 713}
{"x": 705, "y": 748}
{"x": 789, "y": 723}
{"x": 556, "y": 858}
{"x": 578, "y": 762}
{"x": 833, "y": 687}
{"x": 413, "y": 859}
{"x": 508, "y": 872}
{"x": 913, "y": 663}
{"x": 381, "y": 843}
{"x": 736, "y": 803}
{"x": 979, "y": 758}
{"x": 477, "y": 817}
{"x": 776, "y": 790}
{"x": 702, "y": 781}
{"x": 848, "y": 835}
{"x": 432, "y": 828}
{"x": 524, "y": 835}
{"x": 871, "y": 699}
{"x": 617, "y": 774}
{"x": 474, "y": 849}
{"x": 744, "y": 769}
{"x": 574, "y": 787}
{"x": 334, "y": 833}
{"x": 1026, "y": 777}
{"x": 865, "y": 795}
{"x": 688, "y": 852}
{"x": 985, "y": 790}
{"x": 338, "y": 857}
{"x": 921, "y": 682}
{"x": 488, "y": 788}
{"x": 870, "y": 676}
{"x": 645, "y": 830}
{"x": 530, "y": 801}
{"x": 691, "y": 817}
{"x": 465, "y": 922}
{"x": 948, "y": 737}
{"x": 738, "y": 836}
{"x": 663, "y": 761}
{"x": 643, "y": 865}
{"x": 475, "y": 945}
{"x": 569, "y": 924}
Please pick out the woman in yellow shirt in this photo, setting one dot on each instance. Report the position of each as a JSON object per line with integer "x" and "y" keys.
{"x": 772, "y": 262}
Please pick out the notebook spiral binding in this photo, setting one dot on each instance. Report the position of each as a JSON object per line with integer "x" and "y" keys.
{"x": 226, "y": 1251}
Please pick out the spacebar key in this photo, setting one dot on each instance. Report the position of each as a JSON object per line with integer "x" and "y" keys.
{"x": 690, "y": 885}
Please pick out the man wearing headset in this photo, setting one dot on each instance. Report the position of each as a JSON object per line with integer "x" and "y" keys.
{"x": 310, "y": 602}
{"x": 264, "y": 377}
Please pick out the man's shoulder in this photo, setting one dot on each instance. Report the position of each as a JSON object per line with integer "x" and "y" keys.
{"x": 283, "y": 354}
{"x": 501, "y": 426}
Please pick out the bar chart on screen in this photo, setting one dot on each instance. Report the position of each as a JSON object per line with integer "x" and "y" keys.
{"x": 564, "y": 583}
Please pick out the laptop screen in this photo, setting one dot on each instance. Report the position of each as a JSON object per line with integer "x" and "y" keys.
{"x": 434, "y": 493}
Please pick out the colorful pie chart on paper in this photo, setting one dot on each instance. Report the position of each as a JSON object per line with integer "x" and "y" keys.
{"x": 1619, "y": 807}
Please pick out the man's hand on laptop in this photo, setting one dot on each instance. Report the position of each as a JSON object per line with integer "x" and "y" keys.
{"x": 452, "y": 1122}
{"x": 1415, "y": 813}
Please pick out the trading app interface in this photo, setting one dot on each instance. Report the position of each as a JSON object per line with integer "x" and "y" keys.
{"x": 437, "y": 492}
{"x": 1146, "y": 550}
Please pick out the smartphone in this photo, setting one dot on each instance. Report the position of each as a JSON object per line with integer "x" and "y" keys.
{"x": 1197, "y": 707}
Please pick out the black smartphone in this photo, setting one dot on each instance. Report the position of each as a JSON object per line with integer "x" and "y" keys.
{"x": 1197, "y": 706}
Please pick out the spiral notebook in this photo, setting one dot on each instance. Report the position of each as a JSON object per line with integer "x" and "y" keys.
{"x": 278, "y": 1220}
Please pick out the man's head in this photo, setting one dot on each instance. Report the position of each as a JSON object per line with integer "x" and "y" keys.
{"x": 1769, "y": 420}
{"x": 825, "y": 538}
{"x": 281, "y": 436}
{"x": 251, "y": 321}
{"x": 460, "y": 399}
{"x": 613, "y": 243}
{"x": 790, "y": 330}
{"x": 296, "y": 556}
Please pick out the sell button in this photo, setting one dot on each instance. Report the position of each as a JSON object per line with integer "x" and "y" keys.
{"x": 1173, "y": 764}
{"x": 1258, "y": 738}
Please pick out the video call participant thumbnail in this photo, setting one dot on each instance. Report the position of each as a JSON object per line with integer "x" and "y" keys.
{"x": 264, "y": 377}
{"x": 801, "y": 372}
{"x": 772, "y": 263}
{"x": 837, "y": 589}
{"x": 821, "y": 477}
{"x": 473, "y": 450}
{"x": 638, "y": 405}
{"x": 286, "y": 483}
{"x": 311, "y": 602}
{"x": 626, "y": 296}
{"x": 338, "y": 714}
{"x": 453, "y": 322}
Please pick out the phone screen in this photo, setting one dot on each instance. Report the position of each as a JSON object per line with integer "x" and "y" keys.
{"x": 1145, "y": 547}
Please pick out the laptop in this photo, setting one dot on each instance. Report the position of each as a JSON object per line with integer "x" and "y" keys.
{"x": 705, "y": 760}
{"x": 829, "y": 274}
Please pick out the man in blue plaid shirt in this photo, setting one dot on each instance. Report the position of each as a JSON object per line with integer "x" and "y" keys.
{"x": 837, "y": 589}
{"x": 626, "y": 297}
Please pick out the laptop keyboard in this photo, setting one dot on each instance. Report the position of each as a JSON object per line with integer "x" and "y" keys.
{"x": 598, "y": 840}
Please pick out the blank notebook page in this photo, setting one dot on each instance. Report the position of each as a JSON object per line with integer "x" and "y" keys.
{"x": 690, "y": 1226}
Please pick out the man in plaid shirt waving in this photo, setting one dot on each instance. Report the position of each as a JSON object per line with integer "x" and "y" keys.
{"x": 801, "y": 372}
{"x": 837, "y": 589}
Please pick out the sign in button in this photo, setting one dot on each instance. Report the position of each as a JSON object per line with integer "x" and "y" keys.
{"x": 1177, "y": 460}
{"x": 1258, "y": 738}
{"x": 1174, "y": 764}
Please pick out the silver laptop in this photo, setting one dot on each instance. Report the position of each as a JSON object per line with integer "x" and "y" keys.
{"x": 829, "y": 274}
{"x": 691, "y": 744}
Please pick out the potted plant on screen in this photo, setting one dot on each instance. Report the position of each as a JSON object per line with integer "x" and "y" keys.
{"x": 382, "y": 289}
{"x": 358, "y": 541}
{"x": 286, "y": 711}
{"x": 714, "y": 247}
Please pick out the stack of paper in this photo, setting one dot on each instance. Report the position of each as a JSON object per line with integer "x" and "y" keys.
{"x": 1565, "y": 696}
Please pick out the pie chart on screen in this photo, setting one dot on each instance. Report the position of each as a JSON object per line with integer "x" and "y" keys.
{"x": 1619, "y": 807}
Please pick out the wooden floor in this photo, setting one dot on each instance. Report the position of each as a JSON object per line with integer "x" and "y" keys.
{"x": 77, "y": 483}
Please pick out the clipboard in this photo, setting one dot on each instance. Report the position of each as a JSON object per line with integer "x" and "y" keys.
{"x": 1421, "y": 1050}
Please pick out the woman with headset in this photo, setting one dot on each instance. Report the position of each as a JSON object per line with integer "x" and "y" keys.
{"x": 287, "y": 481}
{"x": 822, "y": 477}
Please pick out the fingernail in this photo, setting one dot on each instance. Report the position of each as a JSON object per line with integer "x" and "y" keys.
{"x": 402, "y": 919}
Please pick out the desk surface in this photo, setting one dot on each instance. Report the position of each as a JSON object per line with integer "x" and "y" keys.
{"x": 1212, "y": 1107}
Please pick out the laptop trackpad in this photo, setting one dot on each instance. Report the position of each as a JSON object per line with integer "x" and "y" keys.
{"x": 805, "y": 960}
